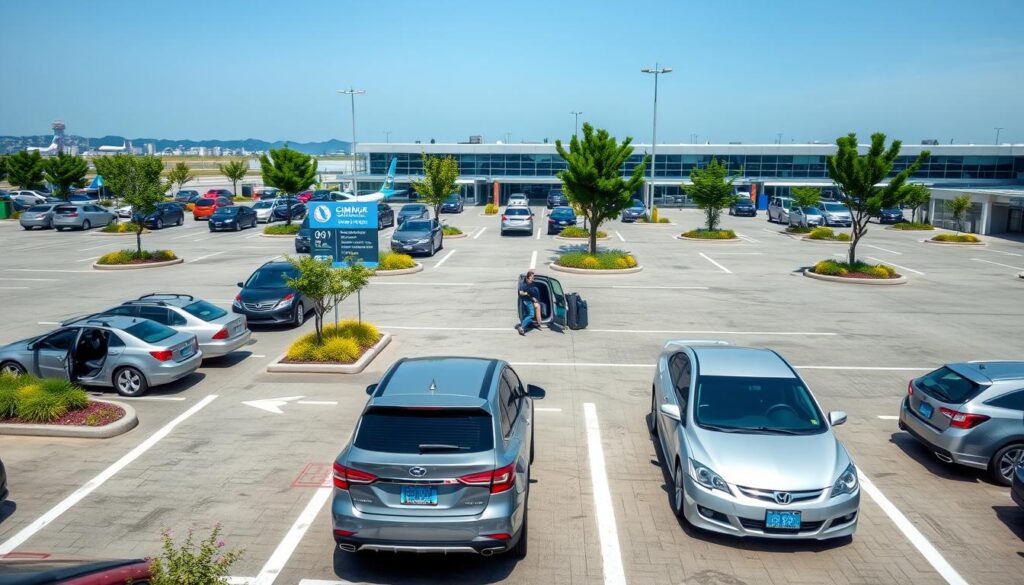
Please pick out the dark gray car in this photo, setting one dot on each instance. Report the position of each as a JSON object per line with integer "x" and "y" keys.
{"x": 439, "y": 461}
{"x": 418, "y": 236}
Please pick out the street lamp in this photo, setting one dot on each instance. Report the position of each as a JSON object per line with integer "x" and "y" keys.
{"x": 387, "y": 136}
{"x": 577, "y": 115}
{"x": 656, "y": 71}
{"x": 998, "y": 129}
{"x": 353, "y": 93}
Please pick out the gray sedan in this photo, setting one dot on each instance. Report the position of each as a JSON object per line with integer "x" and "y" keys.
{"x": 805, "y": 217}
{"x": 38, "y": 216}
{"x": 81, "y": 216}
{"x": 127, "y": 353}
{"x": 749, "y": 450}
{"x": 517, "y": 219}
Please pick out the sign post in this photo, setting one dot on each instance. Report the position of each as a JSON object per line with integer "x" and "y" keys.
{"x": 341, "y": 229}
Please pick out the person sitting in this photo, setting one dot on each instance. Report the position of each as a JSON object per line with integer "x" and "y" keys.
{"x": 529, "y": 296}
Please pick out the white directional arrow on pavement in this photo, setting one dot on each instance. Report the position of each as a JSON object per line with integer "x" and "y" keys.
{"x": 272, "y": 404}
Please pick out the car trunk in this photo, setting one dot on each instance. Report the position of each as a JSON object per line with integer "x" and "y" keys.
{"x": 185, "y": 349}
{"x": 934, "y": 396}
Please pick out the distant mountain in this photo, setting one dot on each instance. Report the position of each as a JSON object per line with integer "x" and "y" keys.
{"x": 9, "y": 144}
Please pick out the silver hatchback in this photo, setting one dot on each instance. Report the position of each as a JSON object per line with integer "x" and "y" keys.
{"x": 749, "y": 449}
{"x": 439, "y": 461}
{"x": 81, "y": 216}
{"x": 127, "y": 353}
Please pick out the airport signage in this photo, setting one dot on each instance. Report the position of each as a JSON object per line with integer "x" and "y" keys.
{"x": 340, "y": 229}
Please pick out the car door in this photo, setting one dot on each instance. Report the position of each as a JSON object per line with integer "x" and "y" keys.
{"x": 513, "y": 427}
{"x": 559, "y": 305}
{"x": 438, "y": 236}
{"x": 53, "y": 353}
{"x": 675, "y": 393}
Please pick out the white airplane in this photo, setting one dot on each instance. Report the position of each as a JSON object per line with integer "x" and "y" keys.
{"x": 125, "y": 147}
{"x": 386, "y": 190}
{"x": 45, "y": 150}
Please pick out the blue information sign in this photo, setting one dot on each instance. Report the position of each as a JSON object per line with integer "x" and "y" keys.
{"x": 340, "y": 229}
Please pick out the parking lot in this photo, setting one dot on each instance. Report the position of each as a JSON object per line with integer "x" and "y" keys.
{"x": 201, "y": 456}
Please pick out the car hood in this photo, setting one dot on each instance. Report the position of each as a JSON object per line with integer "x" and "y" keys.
{"x": 263, "y": 295}
{"x": 775, "y": 462}
{"x": 402, "y": 236}
{"x": 634, "y": 209}
{"x": 223, "y": 216}
{"x": 19, "y": 345}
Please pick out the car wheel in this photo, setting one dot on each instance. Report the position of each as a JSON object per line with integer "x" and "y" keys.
{"x": 181, "y": 221}
{"x": 380, "y": 224}
{"x": 238, "y": 226}
{"x": 59, "y": 229}
{"x": 11, "y": 369}
{"x": 678, "y": 491}
{"x": 159, "y": 224}
{"x": 519, "y": 550}
{"x": 130, "y": 382}
{"x": 300, "y": 315}
{"x": 1004, "y": 462}
{"x": 26, "y": 228}
{"x": 86, "y": 225}
{"x": 652, "y": 425}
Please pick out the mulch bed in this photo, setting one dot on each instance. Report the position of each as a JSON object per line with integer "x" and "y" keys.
{"x": 107, "y": 413}
{"x": 863, "y": 275}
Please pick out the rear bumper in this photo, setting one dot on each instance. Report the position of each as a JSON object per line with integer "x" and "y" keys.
{"x": 527, "y": 228}
{"x": 45, "y": 222}
{"x": 168, "y": 372}
{"x": 746, "y": 212}
{"x": 223, "y": 347}
{"x": 951, "y": 445}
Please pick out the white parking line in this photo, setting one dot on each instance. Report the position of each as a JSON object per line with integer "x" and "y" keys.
{"x": 156, "y": 398}
{"x": 621, "y": 239}
{"x": 654, "y": 287}
{"x": 412, "y": 283}
{"x": 723, "y": 268}
{"x": 998, "y": 252}
{"x": 883, "y": 249}
{"x": 930, "y": 553}
{"x": 539, "y": 409}
{"x": 77, "y": 496}
{"x": 184, "y": 236}
{"x": 888, "y": 417}
{"x": 746, "y": 238}
{"x": 607, "y": 531}
{"x": 533, "y": 260}
{"x": 478, "y": 234}
{"x": 997, "y": 264}
{"x": 442, "y": 260}
{"x": 50, "y": 270}
{"x": 48, "y": 323}
{"x": 207, "y": 256}
{"x": 87, "y": 259}
{"x": 894, "y": 265}
{"x": 33, "y": 279}
{"x": 13, "y": 288}
{"x": 96, "y": 247}
{"x": 317, "y": 402}
{"x": 268, "y": 574}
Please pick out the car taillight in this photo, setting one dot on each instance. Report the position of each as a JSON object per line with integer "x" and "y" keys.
{"x": 73, "y": 214}
{"x": 338, "y": 532}
{"x": 222, "y": 334}
{"x": 910, "y": 388}
{"x": 499, "y": 480}
{"x": 499, "y": 536}
{"x": 551, "y": 220}
{"x": 163, "y": 355}
{"x": 504, "y": 217}
{"x": 345, "y": 476}
{"x": 962, "y": 420}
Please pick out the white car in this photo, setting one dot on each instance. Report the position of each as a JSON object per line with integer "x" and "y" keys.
{"x": 265, "y": 209}
{"x": 124, "y": 212}
{"x": 518, "y": 200}
{"x": 28, "y": 197}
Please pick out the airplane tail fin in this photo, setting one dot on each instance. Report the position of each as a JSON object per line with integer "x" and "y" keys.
{"x": 388, "y": 188}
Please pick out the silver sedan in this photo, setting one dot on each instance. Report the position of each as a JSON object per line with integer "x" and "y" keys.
{"x": 40, "y": 216}
{"x": 81, "y": 216}
{"x": 749, "y": 450}
{"x": 517, "y": 219}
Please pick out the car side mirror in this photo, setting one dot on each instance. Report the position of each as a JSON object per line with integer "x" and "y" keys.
{"x": 671, "y": 411}
{"x": 371, "y": 389}
{"x": 535, "y": 392}
{"x": 240, "y": 285}
{"x": 31, "y": 346}
{"x": 836, "y": 418}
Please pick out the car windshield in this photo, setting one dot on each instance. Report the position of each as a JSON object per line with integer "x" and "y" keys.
{"x": 205, "y": 203}
{"x": 756, "y": 405}
{"x": 637, "y": 203}
{"x": 149, "y": 331}
{"x": 413, "y": 209}
{"x": 811, "y": 211}
{"x": 263, "y": 205}
{"x": 947, "y": 386}
{"x": 270, "y": 278}
{"x": 205, "y": 310}
{"x": 40, "y": 208}
{"x": 415, "y": 226}
{"x": 403, "y": 430}
{"x": 835, "y": 207}
{"x": 517, "y": 211}
{"x": 452, "y": 199}
{"x": 228, "y": 211}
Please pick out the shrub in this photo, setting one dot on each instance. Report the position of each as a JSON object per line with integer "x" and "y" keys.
{"x": 798, "y": 229}
{"x": 843, "y": 237}
{"x": 72, "y": 396}
{"x": 605, "y": 260}
{"x": 103, "y": 416}
{"x": 365, "y": 334}
{"x": 590, "y": 262}
{"x": 711, "y": 234}
{"x": 394, "y": 261}
{"x": 907, "y": 225}
{"x": 240, "y": 199}
{"x": 578, "y": 232}
{"x": 8, "y": 399}
{"x": 189, "y": 563}
{"x": 35, "y": 405}
{"x": 282, "y": 229}
{"x": 450, "y": 230}
{"x": 16, "y": 215}
{"x": 664, "y": 220}
{"x": 105, "y": 203}
{"x": 190, "y": 207}
{"x": 836, "y": 268}
{"x": 630, "y": 261}
{"x": 135, "y": 257}
{"x": 962, "y": 238}
{"x": 120, "y": 228}
{"x": 490, "y": 209}
{"x": 38, "y": 400}
{"x": 830, "y": 268}
{"x": 824, "y": 233}
{"x": 336, "y": 349}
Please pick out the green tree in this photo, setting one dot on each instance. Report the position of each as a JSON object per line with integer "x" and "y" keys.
{"x": 137, "y": 180}
{"x": 288, "y": 170}
{"x": 593, "y": 177}
{"x": 179, "y": 175}
{"x": 439, "y": 176}
{"x": 859, "y": 177}
{"x": 326, "y": 286}
{"x": 3, "y": 167}
{"x": 805, "y": 196}
{"x": 712, "y": 191}
{"x": 235, "y": 171}
{"x": 915, "y": 195}
{"x": 66, "y": 171}
{"x": 25, "y": 169}
{"x": 958, "y": 208}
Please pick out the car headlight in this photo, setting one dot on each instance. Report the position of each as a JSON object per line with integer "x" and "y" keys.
{"x": 287, "y": 300}
{"x": 847, "y": 482}
{"x": 423, "y": 241}
{"x": 708, "y": 478}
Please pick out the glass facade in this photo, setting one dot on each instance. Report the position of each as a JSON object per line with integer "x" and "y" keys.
{"x": 678, "y": 166}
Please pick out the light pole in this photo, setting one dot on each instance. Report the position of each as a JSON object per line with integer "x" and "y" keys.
{"x": 778, "y": 138}
{"x": 577, "y": 115}
{"x": 387, "y": 136}
{"x": 656, "y": 71}
{"x": 998, "y": 129}
{"x": 352, "y": 92}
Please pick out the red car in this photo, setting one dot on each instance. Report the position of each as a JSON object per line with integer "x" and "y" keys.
{"x": 304, "y": 196}
{"x": 74, "y": 572}
{"x": 215, "y": 193}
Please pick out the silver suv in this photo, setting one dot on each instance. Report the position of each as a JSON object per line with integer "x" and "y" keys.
{"x": 778, "y": 209}
{"x": 971, "y": 414}
{"x": 439, "y": 461}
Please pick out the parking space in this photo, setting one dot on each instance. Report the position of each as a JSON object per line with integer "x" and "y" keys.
{"x": 203, "y": 453}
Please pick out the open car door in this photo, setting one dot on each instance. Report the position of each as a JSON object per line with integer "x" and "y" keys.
{"x": 558, "y": 303}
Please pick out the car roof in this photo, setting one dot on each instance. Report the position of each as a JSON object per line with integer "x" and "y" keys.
{"x": 995, "y": 370}
{"x": 111, "y": 321}
{"x": 448, "y": 381}
{"x": 746, "y": 362}
{"x": 277, "y": 265}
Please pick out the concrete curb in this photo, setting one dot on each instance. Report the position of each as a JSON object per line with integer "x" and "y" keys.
{"x": 489, "y": 214}
{"x": 137, "y": 266}
{"x": 597, "y": 272}
{"x": 892, "y": 229}
{"x": 263, "y": 235}
{"x": 931, "y": 241}
{"x": 900, "y": 279}
{"x": 652, "y": 224}
{"x": 581, "y": 240}
{"x": 119, "y": 427}
{"x": 704, "y": 240}
{"x": 99, "y": 232}
{"x": 806, "y": 239}
{"x": 400, "y": 271}
{"x": 278, "y": 367}
{"x": 457, "y": 236}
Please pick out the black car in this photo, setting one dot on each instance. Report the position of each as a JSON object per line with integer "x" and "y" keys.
{"x": 557, "y": 199}
{"x": 234, "y": 217}
{"x": 561, "y": 218}
{"x": 890, "y": 215}
{"x": 298, "y": 211}
{"x": 385, "y": 216}
{"x": 413, "y": 211}
{"x": 302, "y": 237}
{"x": 266, "y": 299}
{"x": 743, "y": 206}
{"x": 187, "y": 196}
{"x": 163, "y": 214}
{"x": 1016, "y": 487}
{"x": 453, "y": 204}
{"x": 418, "y": 236}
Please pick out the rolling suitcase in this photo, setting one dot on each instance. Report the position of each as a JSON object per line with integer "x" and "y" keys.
{"x": 570, "y": 310}
{"x": 582, "y": 320}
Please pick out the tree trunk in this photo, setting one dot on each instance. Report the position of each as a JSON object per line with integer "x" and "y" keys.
{"x": 318, "y": 323}
{"x": 138, "y": 237}
{"x": 593, "y": 235}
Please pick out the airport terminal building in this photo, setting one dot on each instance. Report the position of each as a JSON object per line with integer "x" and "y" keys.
{"x": 992, "y": 174}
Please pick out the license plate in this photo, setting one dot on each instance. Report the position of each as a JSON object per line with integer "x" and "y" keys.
{"x": 218, "y": 223}
{"x": 925, "y": 409}
{"x": 419, "y": 495}
{"x": 782, "y": 520}
{"x": 407, "y": 247}
{"x": 187, "y": 351}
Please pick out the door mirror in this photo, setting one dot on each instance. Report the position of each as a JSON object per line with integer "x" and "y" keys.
{"x": 671, "y": 411}
{"x": 371, "y": 389}
{"x": 32, "y": 346}
{"x": 240, "y": 285}
{"x": 836, "y": 418}
{"x": 535, "y": 392}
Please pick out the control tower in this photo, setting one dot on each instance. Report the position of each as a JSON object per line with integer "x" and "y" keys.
{"x": 58, "y": 134}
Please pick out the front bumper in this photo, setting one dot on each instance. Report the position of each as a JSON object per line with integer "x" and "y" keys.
{"x": 951, "y": 445}
{"x": 219, "y": 347}
{"x": 424, "y": 248}
{"x": 821, "y": 519}
{"x": 631, "y": 216}
{"x": 272, "y": 317}
{"x": 746, "y": 212}
{"x": 452, "y": 209}
{"x": 836, "y": 222}
{"x": 890, "y": 219}
{"x": 168, "y": 371}
{"x": 223, "y": 226}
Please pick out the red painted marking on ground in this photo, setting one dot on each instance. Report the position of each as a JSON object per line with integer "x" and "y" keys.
{"x": 25, "y": 555}
{"x": 314, "y": 475}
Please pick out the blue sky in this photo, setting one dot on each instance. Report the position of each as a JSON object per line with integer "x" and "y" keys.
{"x": 744, "y": 70}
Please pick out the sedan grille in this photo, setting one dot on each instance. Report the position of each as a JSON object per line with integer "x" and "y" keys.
{"x": 259, "y": 306}
{"x": 769, "y": 495}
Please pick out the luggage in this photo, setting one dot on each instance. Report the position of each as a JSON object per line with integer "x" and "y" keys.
{"x": 582, "y": 320}
{"x": 570, "y": 310}
{"x": 576, "y": 317}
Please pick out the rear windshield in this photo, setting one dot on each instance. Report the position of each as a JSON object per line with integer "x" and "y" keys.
{"x": 402, "y": 430}
{"x": 40, "y": 208}
{"x": 517, "y": 211}
{"x": 65, "y": 209}
{"x": 413, "y": 208}
{"x": 205, "y": 203}
{"x": 947, "y": 386}
{"x": 562, "y": 212}
{"x": 262, "y": 205}
{"x": 205, "y": 311}
{"x": 149, "y": 331}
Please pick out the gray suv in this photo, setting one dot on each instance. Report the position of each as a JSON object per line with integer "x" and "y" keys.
{"x": 971, "y": 414}
{"x": 439, "y": 461}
